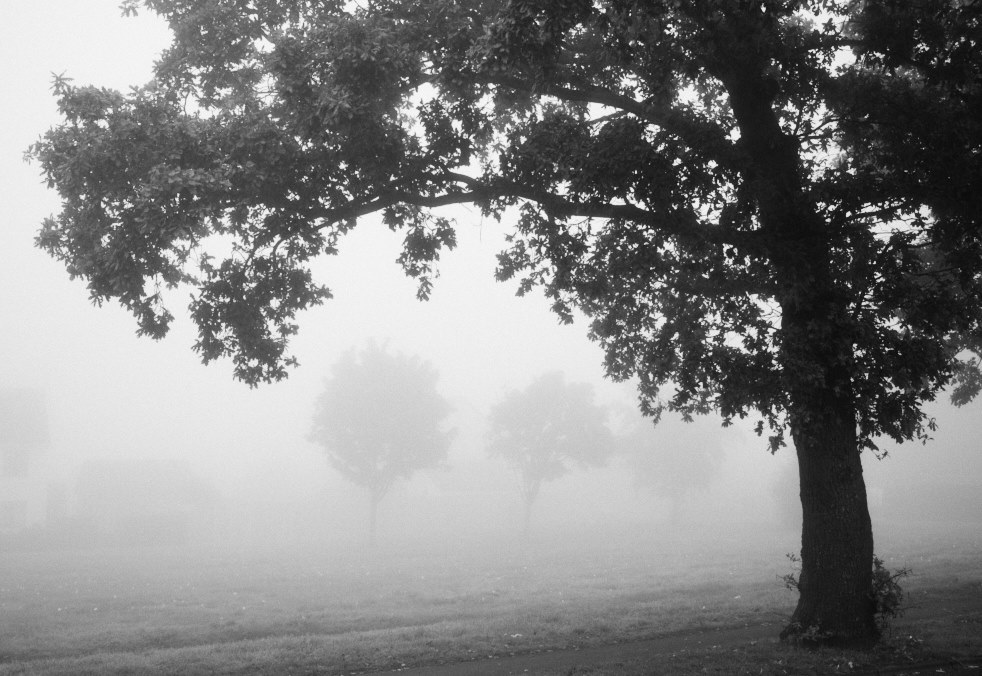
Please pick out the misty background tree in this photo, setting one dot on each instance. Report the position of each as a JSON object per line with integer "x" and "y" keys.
{"x": 768, "y": 209}
{"x": 672, "y": 459}
{"x": 545, "y": 430}
{"x": 380, "y": 419}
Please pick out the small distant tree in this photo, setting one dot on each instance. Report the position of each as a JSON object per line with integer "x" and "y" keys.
{"x": 380, "y": 419}
{"x": 546, "y": 428}
{"x": 672, "y": 458}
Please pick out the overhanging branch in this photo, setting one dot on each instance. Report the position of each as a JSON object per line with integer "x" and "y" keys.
{"x": 683, "y": 225}
{"x": 697, "y": 133}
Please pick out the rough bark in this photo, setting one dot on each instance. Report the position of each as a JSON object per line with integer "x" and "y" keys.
{"x": 835, "y": 605}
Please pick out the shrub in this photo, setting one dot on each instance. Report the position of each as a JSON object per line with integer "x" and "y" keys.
{"x": 887, "y": 593}
{"x": 885, "y": 590}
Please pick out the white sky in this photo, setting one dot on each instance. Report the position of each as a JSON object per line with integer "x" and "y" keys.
{"x": 109, "y": 393}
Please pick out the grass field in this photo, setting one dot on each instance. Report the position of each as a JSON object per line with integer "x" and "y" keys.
{"x": 332, "y": 609}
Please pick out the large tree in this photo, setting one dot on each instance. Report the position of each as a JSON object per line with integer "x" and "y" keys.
{"x": 380, "y": 419}
{"x": 769, "y": 208}
{"x": 545, "y": 429}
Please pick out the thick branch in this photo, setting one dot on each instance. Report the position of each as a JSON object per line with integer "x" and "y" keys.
{"x": 697, "y": 133}
{"x": 684, "y": 225}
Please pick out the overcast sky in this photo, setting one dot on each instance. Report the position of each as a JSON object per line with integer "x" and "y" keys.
{"x": 109, "y": 393}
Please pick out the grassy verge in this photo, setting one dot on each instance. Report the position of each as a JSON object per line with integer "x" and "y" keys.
{"x": 941, "y": 644}
{"x": 333, "y": 612}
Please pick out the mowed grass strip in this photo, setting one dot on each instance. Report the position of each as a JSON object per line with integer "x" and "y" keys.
{"x": 175, "y": 611}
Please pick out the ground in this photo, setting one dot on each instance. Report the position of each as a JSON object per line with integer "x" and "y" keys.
{"x": 638, "y": 599}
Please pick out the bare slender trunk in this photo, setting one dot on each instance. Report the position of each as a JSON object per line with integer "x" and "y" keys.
{"x": 530, "y": 491}
{"x": 373, "y": 518}
{"x": 528, "y": 515}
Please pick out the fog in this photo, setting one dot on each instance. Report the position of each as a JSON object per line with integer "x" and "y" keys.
{"x": 110, "y": 440}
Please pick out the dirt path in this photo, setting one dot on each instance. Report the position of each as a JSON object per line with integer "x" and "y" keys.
{"x": 938, "y": 605}
{"x": 656, "y": 651}
{"x": 647, "y": 651}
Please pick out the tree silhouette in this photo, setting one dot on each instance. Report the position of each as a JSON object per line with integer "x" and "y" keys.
{"x": 545, "y": 429}
{"x": 380, "y": 419}
{"x": 672, "y": 458}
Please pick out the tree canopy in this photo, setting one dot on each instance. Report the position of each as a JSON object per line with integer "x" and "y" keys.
{"x": 766, "y": 209}
{"x": 621, "y": 135}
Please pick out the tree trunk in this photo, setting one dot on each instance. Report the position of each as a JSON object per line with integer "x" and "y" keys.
{"x": 816, "y": 346}
{"x": 835, "y": 605}
{"x": 528, "y": 515}
{"x": 530, "y": 491}
{"x": 816, "y": 357}
{"x": 373, "y": 518}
